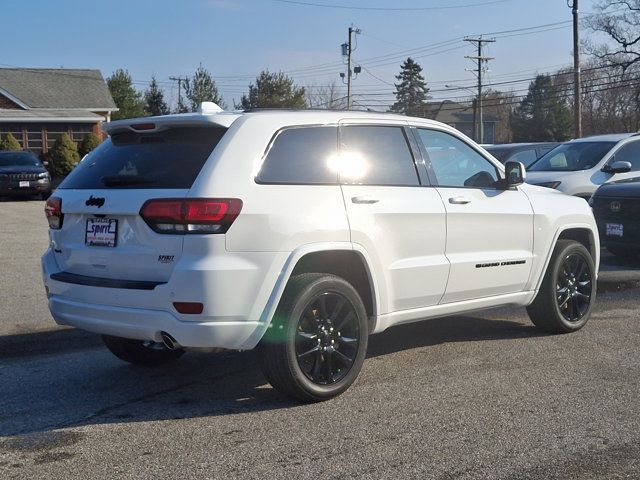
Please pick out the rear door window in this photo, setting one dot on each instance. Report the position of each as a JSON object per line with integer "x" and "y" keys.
{"x": 169, "y": 158}
{"x": 375, "y": 155}
{"x": 301, "y": 155}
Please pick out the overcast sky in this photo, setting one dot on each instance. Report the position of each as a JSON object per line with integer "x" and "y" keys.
{"x": 236, "y": 39}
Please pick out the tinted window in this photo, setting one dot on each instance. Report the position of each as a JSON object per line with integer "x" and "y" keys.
{"x": 527, "y": 157}
{"x": 168, "y": 159}
{"x": 501, "y": 154}
{"x": 21, "y": 159}
{"x": 372, "y": 155}
{"x": 301, "y": 155}
{"x": 630, "y": 153}
{"x": 570, "y": 157}
{"x": 456, "y": 164}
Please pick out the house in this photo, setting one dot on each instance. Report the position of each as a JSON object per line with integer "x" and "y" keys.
{"x": 38, "y": 105}
{"x": 462, "y": 117}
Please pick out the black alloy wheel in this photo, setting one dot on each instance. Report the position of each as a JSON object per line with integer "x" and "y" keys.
{"x": 568, "y": 290}
{"x": 316, "y": 343}
{"x": 573, "y": 289}
{"x": 327, "y": 338}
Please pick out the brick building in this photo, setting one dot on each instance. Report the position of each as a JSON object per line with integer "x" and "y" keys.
{"x": 37, "y": 105}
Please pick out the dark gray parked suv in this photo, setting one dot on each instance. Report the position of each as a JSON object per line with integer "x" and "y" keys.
{"x": 22, "y": 173}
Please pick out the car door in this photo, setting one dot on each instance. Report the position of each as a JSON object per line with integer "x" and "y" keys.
{"x": 489, "y": 229}
{"x": 399, "y": 222}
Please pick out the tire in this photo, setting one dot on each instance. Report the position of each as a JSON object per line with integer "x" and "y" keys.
{"x": 139, "y": 352}
{"x": 568, "y": 291}
{"x": 302, "y": 355}
{"x": 627, "y": 253}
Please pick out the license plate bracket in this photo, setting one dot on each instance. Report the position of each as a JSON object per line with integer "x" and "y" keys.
{"x": 101, "y": 232}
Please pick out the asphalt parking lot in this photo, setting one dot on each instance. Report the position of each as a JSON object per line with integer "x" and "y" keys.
{"x": 479, "y": 396}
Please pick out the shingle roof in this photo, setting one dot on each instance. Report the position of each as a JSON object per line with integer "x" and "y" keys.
{"x": 49, "y": 114}
{"x": 57, "y": 88}
{"x": 452, "y": 112}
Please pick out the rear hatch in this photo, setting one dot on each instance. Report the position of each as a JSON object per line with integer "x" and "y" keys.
{"x": 102, "y": 233}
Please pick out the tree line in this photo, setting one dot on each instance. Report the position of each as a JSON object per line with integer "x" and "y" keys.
{"x": 610, "y": 89}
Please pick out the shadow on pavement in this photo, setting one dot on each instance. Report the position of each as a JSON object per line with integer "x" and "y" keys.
{"x": 93, "y": 387}
{"x": 46, "y": 342}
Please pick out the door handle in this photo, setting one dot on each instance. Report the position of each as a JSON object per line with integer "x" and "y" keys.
{"x": 366, "y": 199}
{"x": 459, "y": 200}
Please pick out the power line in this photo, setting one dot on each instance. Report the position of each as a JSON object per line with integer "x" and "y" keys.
{"x": 390, "y": 9}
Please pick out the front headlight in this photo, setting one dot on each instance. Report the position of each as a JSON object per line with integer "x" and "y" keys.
{"x": 549, "y": 184}
{"x": 43, "y": 175}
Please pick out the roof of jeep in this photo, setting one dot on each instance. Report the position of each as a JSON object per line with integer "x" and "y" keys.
{"x": 226, "y": 119}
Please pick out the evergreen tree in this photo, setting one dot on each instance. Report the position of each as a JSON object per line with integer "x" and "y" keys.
{"x": 88, "y": 144}
{"x": 543, "y": 115}
{"x": 202, "y": 88}
{"x": 154, "y": 99}
{"x": 128, "y": 100}
{"x": 412, "y": 91}
{"x": 9, "y": 142}
{"x": 273, "y": 90}
{"x": 64, "y": 156}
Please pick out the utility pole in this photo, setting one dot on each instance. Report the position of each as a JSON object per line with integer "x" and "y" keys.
{"x": 179, "y": 80}
{"x": 577, "y": 77}
{"x": 481, "y": 59}
{"x": 347, "y": 50}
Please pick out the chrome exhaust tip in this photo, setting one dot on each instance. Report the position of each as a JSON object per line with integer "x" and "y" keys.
{"x": 169, "y": 341}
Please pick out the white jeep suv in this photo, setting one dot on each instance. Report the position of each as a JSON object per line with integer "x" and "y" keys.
{"x": 301, "y": 233}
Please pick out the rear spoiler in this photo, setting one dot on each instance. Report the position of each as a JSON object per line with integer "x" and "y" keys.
{"x": 155, "y": 124}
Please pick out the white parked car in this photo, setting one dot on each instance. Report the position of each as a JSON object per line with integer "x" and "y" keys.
{"x": 301, "y": 233}
{"x": 580, "y": 166}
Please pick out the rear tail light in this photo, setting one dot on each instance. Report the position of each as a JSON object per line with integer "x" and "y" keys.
{"x": 53, "y": 211}
{"x": 183, "y": 216}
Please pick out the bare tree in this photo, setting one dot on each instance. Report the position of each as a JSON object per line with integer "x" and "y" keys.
{"x": 619, "y": 20}
{"x": 326, "y": 96}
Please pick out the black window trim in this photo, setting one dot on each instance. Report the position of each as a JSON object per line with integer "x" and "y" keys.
{"x": 499, "y": 168}
{"x": 275, "y": 135}
{"x": 403, "y": 127}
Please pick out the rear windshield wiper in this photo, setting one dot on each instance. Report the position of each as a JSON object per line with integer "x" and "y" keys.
{"x": 117, "y": 180}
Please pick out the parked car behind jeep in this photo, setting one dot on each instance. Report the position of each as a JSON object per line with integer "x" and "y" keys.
{"x": 22, "y": 174}
{"x": 580, "y": 166}
{"x": 526, "y": 153}
{"x": 616, "y": 207}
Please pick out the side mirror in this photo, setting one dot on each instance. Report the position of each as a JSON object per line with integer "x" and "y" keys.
{"x": 617, "y": 167}
{"x": 515, "y": 174}
{"x": 45, "y": 163}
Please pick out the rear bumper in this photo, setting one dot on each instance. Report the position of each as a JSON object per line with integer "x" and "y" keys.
{"x": 145, "y": 324}
{"x": 231, "y": 287}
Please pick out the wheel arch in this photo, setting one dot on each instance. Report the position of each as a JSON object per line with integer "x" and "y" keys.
{"x": 581, "y": 233}
{"x": 343, "y": 259}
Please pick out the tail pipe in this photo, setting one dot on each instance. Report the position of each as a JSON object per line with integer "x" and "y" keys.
{"x": 169, "y": 341}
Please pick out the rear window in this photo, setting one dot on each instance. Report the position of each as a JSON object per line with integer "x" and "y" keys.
{"x": 171, "y": 158}
{"x": 301, "y": 155}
